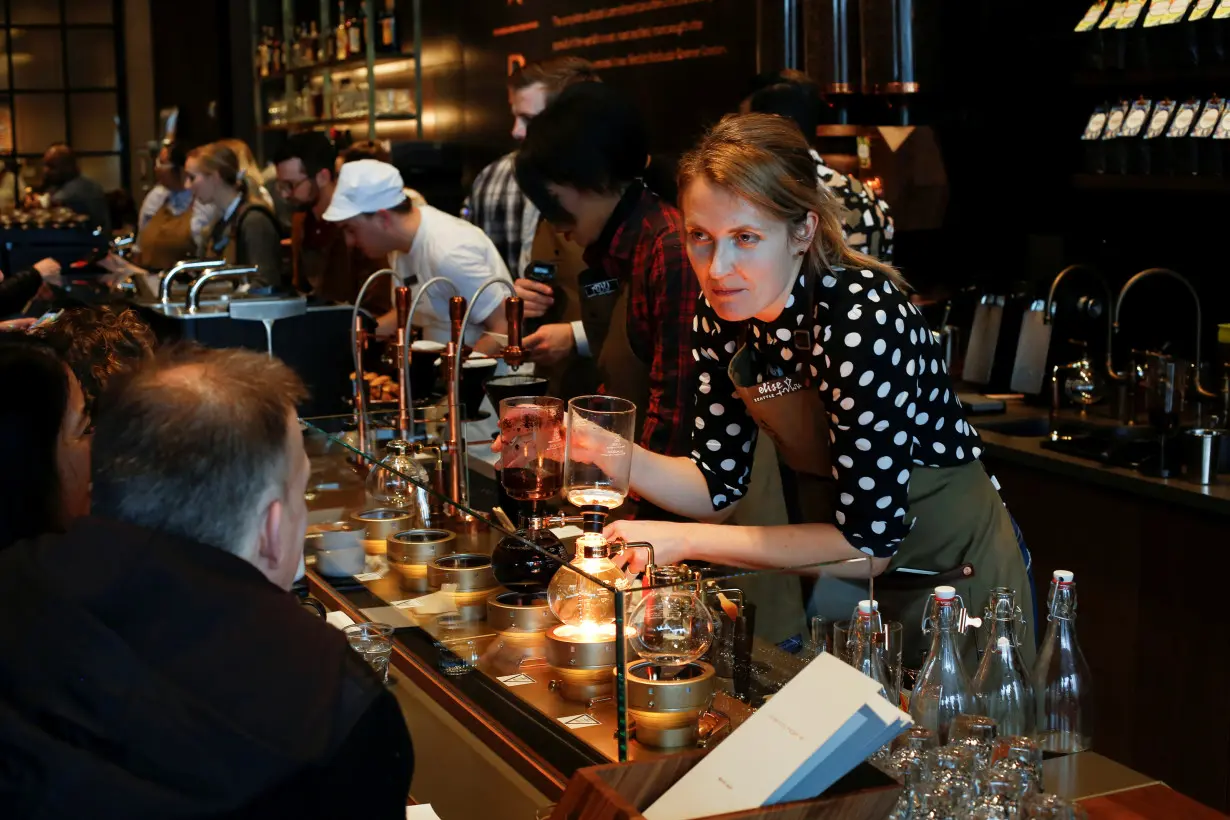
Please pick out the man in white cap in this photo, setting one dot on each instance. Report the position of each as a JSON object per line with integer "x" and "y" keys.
{"x": 371, "y": 204}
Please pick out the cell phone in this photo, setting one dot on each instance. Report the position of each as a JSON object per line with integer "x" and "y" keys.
{"x": 543, "y": 272}
{"x": 47, "y": 318}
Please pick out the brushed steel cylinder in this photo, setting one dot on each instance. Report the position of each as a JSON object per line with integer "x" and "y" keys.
{"x": 667, "y": 712}
{"x": 469, "y": 571}
{"x": 378, "y": 524}
{"x": 517, "y": 612}
{"x": 410, "y": 551}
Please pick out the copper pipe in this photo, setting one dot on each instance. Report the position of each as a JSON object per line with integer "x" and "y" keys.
{"x": 514, "y": 310}
{"x": 452, "y": 372}
{"x": 360, "y": 387}
{"x": 401, "y": 299}
{"x": 414, "y": 306}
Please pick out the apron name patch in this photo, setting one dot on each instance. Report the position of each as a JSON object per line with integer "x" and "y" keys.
{"x": 604, "y": 288}
{"x": 777, "y": 388}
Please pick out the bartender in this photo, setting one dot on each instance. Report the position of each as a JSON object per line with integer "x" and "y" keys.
{"x": 818, "y": 345}
{"x": 173, "y": 223}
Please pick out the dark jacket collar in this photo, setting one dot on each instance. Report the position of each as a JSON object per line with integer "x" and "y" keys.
{"x": 614, "y": 242}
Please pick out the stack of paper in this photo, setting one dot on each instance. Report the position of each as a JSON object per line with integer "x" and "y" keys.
{"x": 822, "y": 724}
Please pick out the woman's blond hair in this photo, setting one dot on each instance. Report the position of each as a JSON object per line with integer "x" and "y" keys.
{"x": 765, "y": 160}
{"x": 232, "y": 161}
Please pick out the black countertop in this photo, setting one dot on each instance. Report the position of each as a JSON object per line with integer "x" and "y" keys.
{"x": 1028, "y": 451}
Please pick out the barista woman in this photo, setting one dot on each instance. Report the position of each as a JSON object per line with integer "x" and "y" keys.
{"x": 818, "y": 345}
{"x": 173, "y": 223}
{"x": 247, "y": 231}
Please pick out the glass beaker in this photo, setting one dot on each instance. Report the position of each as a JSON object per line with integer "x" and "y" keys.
{"x": 598, "y": 456}
{"x": 532, "y": 447}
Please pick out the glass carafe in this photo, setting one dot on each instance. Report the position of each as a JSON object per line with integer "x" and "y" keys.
{"x": 1061, "y": 677}
{"x": 1002, "y": 683}
{"x": 598, "y": 463}
{"x": 672, "y": 626}
{"x": 865, "y": 655}
{"x": 398, "y": 482}
{"x": 943, "y": 690}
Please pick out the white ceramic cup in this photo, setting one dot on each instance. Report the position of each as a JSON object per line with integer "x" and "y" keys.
{"x": 340, "y": 553}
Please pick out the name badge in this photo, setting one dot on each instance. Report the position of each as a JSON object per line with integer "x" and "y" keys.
{"x": 777, "y": 388}
{"x": 604, "y": 288}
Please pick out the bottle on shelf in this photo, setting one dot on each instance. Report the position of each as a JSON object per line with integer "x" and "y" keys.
{"x": 866, "y": 656}
{"x": 341, "y": 43}
{"x": 1002, "y": 683}
{"x": 354, "y": 32}
{"x": 311, "y": 44}
{"x": 388, "y": 41}
{"x": 1061, "y": 677}
{"x": 943, "y": 690}
{"x": 262, "y": 53}
{"x": 276, "y": 54}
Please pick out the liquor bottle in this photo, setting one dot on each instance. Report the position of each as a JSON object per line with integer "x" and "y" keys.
{"x": 354, "y": 31}
{"x": 262, "y": 53}
{"x": 342, "y": 41}
{"x": 275, "y": 51}
{"x": 1061, "y": 677}
{"x": 389, "y": 41}
{"x": 943, "y": 690}
{"x": 867, "y": 656}
{"x": 311, "y": 47}
{"x": 1002, "y": 683}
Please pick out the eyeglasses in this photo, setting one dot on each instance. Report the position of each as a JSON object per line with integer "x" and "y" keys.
{"x": 286, "y": 188}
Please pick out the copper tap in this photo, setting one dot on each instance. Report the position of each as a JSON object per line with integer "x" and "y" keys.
{"x": 453, "y": 354}
{"x": 401, "y": 299}
{"x": 360, "y": 387}
{"x": 514, "y": 310}
{"x": 1144, "y": 274}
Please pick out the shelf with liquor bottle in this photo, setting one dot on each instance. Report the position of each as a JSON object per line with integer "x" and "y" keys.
{"x": 323, "y": 65}
{"x": 1142, "y": 42}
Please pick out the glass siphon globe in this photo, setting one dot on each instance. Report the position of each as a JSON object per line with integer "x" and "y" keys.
{"x": 578, "y": 601}
{"x": 672, "y": 626}
{"x": 397, "y": 482}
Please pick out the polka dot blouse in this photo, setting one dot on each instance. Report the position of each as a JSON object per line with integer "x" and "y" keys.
{"x": 881, "y": 376}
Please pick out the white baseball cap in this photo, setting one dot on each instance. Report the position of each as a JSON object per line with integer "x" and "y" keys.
{"x": 364, "y": 187}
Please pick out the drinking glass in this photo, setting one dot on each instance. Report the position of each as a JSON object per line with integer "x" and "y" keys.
{"x": 976, "y": 733}
{"x": 598, "y": 456}
{"x": 1023, "y": 752}
{"x": 374, "y": 641}
{"x": 532, "y": 447}
{"x": 889, "y": 641}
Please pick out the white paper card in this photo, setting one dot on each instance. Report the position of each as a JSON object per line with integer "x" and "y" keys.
{"x": 364, "y": 577}
{"x": 821, "y": 725}
{"x": 423, "y": 812}
{"x": 339, "y": 619}
{"x": 567, "y": 531}
{"x": 519, "y": 679}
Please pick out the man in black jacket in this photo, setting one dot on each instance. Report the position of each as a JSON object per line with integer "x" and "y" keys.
{"x": 19, "y": 288}
{"x": 152, "y": 662}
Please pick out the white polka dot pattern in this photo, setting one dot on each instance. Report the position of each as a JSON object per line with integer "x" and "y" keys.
{"x": 889, "y": 414}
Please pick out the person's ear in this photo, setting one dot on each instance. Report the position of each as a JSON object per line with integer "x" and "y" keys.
{"x": 805, "y": 233}
{"x": 269, "y": 557}
{"x": 324, "y": 176}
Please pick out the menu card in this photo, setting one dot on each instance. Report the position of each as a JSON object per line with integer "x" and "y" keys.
{"x": 822, "y": 724}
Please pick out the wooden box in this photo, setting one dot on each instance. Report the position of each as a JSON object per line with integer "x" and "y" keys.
{"x": 621, "y": 791}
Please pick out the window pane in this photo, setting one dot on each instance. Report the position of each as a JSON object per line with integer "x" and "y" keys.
{"x": 40, "y": 121}
{"x": 103, "y": 170}
{"x": 36, "y": 59}
{"x": 35, "y": 11}
{"x": 93, "y": 58}
{"x": 88, "y": 11}
{"x": 94, "y": 122}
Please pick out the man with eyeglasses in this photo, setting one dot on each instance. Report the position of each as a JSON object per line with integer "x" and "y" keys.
{"x": 322, "y": 263}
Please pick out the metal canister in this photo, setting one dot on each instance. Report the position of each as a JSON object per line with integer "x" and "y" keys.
{"x": 409, "y": 553}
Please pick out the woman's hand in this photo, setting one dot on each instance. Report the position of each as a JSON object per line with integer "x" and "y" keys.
{"x": 17, "y": 324}
{"x": 671, "y": 542}
{"x": 49, "y": 270}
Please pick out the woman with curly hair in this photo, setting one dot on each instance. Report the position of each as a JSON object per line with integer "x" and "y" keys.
{"x": 97, "y": 344}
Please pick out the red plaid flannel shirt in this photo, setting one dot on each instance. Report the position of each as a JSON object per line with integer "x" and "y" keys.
{"x": 647, "y": 251}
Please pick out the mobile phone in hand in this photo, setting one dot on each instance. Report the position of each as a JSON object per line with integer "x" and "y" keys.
{"x": 543, "y": 272}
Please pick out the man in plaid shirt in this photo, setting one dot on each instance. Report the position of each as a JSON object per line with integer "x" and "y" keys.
{"x": 580, "y": 164}
{"x": 496, "y": 203}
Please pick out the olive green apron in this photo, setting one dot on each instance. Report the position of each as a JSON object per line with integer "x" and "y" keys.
{"x": 167, "y": 238}
{"x": 576, "y": 375}
{"x": 962, "y": 530}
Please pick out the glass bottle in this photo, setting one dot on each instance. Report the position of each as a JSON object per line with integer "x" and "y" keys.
{"x": 1061, "y": 677}
{"x": 943, "y": 690}
{"x": 341, "y": 40}
{"x": 262, "y": 53}
{"x": 574, "y": 598}
{"x": 389, "y": 42}
{"x": 1002, "y": 683}
{"x": 354, "y": 31}
{"x": 865, "y": 654}
{"x": 398, "y": 482}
